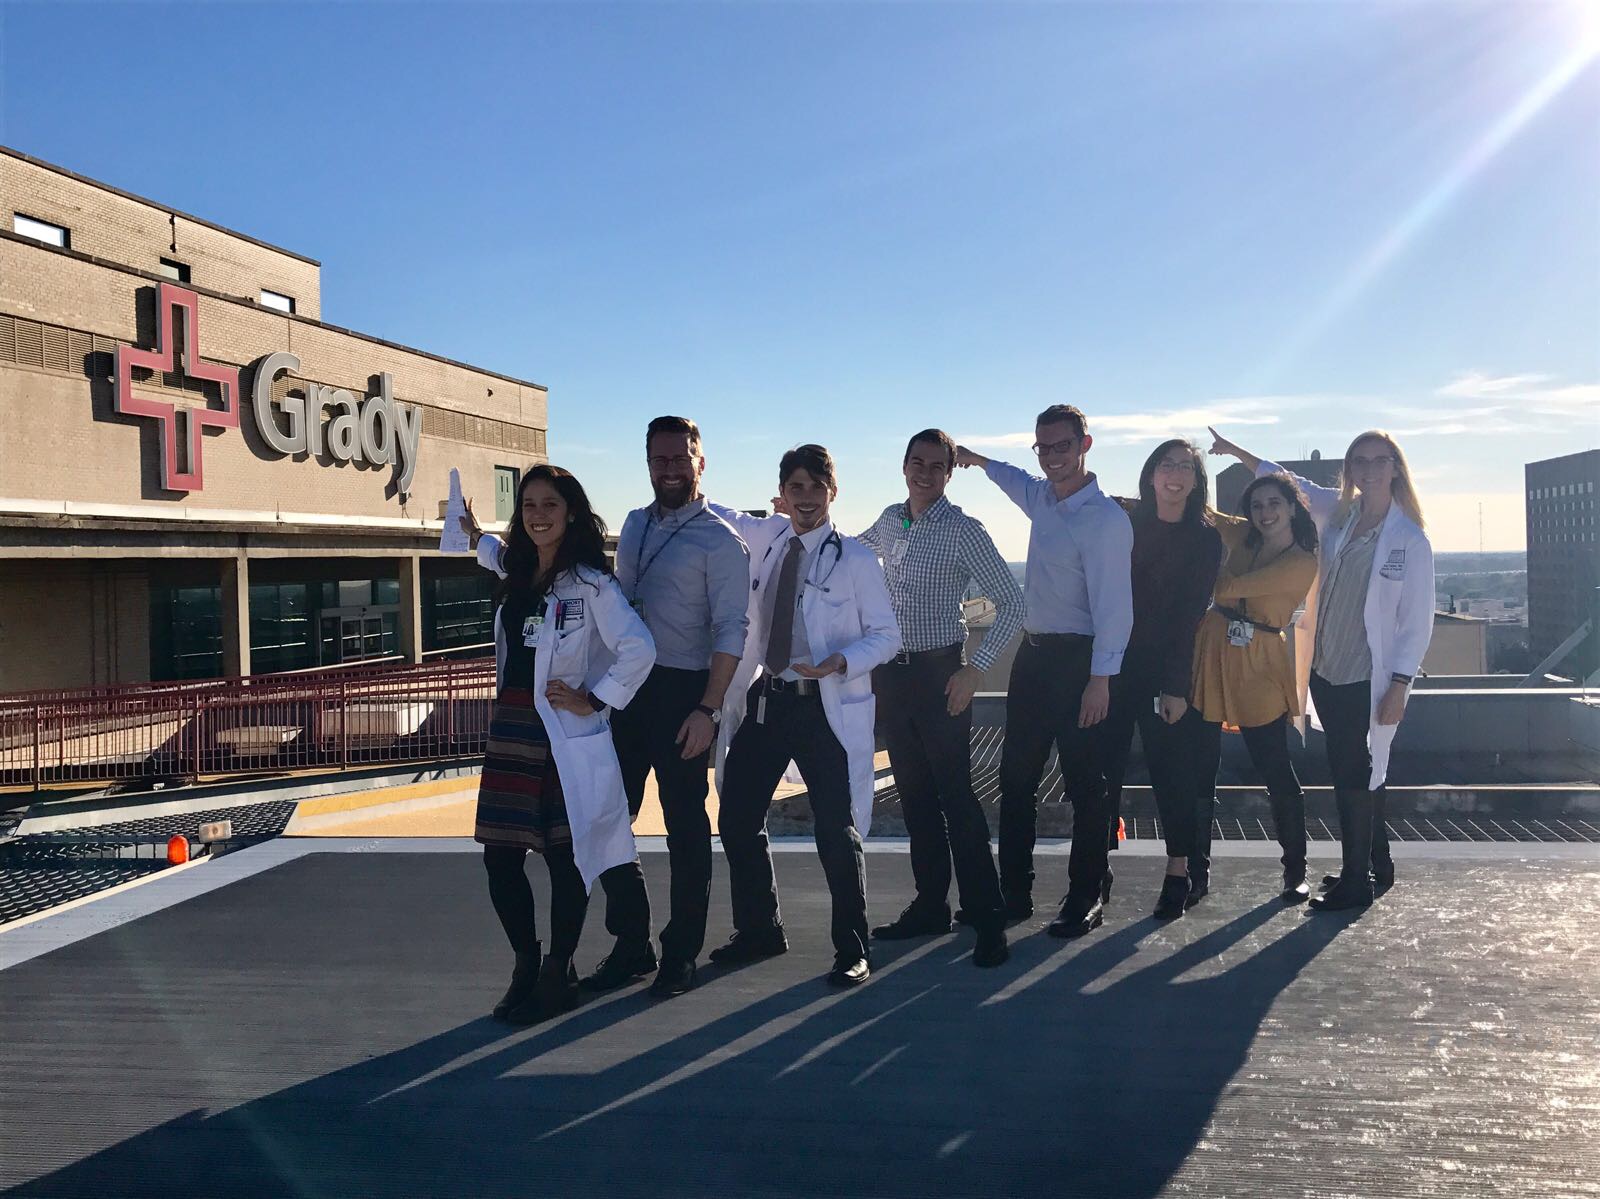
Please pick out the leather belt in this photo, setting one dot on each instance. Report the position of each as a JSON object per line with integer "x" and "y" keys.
{"x": 903, "y": 658}
{"x": 1235, "y": 614}
{"x": 773, "y": 685}
{"x": 1042, "y": 639}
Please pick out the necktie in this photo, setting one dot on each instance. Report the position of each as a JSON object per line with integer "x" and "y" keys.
{"x": 780, "y": 639}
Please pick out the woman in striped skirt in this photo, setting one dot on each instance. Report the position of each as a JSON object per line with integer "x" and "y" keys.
{"x": 568, "y": 648}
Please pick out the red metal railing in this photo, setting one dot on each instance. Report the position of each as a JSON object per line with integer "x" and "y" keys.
{"x": 338, "y": 718}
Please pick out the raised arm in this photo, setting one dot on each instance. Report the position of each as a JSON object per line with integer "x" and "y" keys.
{"x": 1020, "y": 487}
{"x": 1221, "y": 445}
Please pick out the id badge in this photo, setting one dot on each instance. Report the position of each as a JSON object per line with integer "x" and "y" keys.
{"x": 897, "y": 552}
{"x": 1240, "y": 632}
{"x": 530, "y": 630}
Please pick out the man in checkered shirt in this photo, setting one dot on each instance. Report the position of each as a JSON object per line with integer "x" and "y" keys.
{"x": 931, "y": 552}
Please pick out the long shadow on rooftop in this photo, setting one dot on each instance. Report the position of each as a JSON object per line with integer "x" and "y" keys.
{"x": 1091, "y": 1068}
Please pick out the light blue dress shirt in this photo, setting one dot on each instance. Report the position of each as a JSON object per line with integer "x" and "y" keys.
{"x": 1080, "y": 563}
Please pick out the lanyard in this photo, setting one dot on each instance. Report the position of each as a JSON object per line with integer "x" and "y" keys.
{"x": 640, "y": 566}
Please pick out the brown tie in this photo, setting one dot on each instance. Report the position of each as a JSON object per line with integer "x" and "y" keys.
{"x": 780, "y": 639}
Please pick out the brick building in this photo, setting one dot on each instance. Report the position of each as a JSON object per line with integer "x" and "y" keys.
{"x": 167, "y": 509}
{"x": 1564, "y": 556}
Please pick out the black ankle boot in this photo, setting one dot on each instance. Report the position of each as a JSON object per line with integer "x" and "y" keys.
{"x": 1354, "y": 888}
{"x": 1174, "y": 894}
{"x": 1289, "y": 825}
{"x": 556, "y": 991}
{"x": 523, "y": 977}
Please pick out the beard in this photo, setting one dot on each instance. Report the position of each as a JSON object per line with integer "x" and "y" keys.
{"x": 675, "y": 495}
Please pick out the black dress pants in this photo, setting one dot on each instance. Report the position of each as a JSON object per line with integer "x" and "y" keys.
{"x": 1345, "y": 710}
{"x": 1268, "y": 745}
{"x": 930, "y": 752}
{"x": 1046, "y": 689}
{"x": 627, "y": 908}
{"x": 645, "y": 734}
{"x": 795, "y": 729}
{"x": 1169, "y": 754}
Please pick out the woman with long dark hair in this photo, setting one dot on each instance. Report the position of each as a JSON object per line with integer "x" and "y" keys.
{"x": 1373, "y": 621}
{"x": 568, "y": 648}
{"x": 1243, "y": 674}
{"x": 1175, "y": 554}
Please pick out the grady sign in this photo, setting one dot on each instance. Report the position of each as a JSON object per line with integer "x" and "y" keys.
{"x": 379, "y": 430}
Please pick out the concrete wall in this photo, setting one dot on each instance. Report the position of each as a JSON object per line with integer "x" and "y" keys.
{"x": 139, "y": 233}
{"x": 88, "y": 622}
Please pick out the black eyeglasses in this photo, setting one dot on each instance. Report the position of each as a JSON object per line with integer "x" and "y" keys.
{"x": 1055, "y": 447}
{"x": 681, "y": 462}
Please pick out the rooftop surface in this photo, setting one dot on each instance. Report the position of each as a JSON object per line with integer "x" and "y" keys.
{"x": 308, "y": 1018}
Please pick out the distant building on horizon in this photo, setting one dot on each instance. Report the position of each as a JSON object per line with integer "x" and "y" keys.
{"x": 1563, "y": 556}
{"x": 1230, "y": 484}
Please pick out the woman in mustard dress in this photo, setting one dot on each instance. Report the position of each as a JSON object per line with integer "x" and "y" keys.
{"x": 1243, "y": 674}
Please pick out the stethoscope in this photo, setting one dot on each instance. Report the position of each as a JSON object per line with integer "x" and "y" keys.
{"x": 833, "y": 540}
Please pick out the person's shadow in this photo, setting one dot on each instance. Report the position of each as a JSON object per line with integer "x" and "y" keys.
{"x": 1091, "y": 1068}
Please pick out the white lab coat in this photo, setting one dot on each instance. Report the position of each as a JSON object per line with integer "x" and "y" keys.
{"x": 608, "y": 652}
{"x": 847, "y": 611}
{"x": 1399, "y": 610}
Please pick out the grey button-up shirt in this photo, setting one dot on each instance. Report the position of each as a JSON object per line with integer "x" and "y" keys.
{"x": 688, "y": 574}
{"x": 1341, "y": 654}
{"x": 1080, "y": 563}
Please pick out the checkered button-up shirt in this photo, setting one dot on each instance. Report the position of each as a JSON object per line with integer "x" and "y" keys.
{"x": 928, "y": 563}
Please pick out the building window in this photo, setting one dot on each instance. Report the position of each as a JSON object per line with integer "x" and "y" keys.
{"x": 185, "y": 632}
{"x": 272, "y": 299}
{"x": 51, "y": 235}
{"x": 506, "y": 479}
{"x": 177, "y": 271}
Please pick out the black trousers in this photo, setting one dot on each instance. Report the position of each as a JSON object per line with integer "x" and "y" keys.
{"x": 930, "y": 752}
{"x": 645, "y": 734}
{"x": 627, "y": 908}
{"x": 1268, "y": 745}
{"x": 795, "y": 729}
{"x": 1345, "y": 710}
{"x": 1169, "y": 753}
{"x": 1046, "y": 689}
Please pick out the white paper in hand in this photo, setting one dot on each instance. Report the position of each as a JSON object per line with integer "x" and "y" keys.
{"x": 454, "y": 539}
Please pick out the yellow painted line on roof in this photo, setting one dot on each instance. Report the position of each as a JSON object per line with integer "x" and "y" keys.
{"x": 352, "y": 801}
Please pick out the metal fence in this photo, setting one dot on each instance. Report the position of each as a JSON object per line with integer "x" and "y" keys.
{"x": 337, "y": 718}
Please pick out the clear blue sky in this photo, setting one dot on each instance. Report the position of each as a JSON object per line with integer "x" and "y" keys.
{"x": 841, "y": 223}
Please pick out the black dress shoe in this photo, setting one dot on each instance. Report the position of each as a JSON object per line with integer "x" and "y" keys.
{"x": 768, "y": 942}
{"x": 849, "y": 972}
{"x": 1019, "y": 905}
{"x": 991, "y": 949}
{"x": 523, "y": 977}
{"x": 1295, "y": 888}
{"x": 554, "y": 993}
{"x": 916, "y": 921}
{"x": 1174, "y": 891}
{"x": 676, "y": 976}
{"x": 1198, "y": 890}
{"x": 627, "y": 961}
{"x": 1329, "y": 881}
{"x": 965, "y": 917}
{"x": 1077, "y": 918}
{"x": 1344, "y": 896}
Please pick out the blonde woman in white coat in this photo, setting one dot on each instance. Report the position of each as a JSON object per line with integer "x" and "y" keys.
{"x": 568, "y": 649}
{"x": 1373, "y": 619}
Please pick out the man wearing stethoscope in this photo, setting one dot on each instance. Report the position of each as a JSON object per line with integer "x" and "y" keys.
{"x": 821, "y": 620}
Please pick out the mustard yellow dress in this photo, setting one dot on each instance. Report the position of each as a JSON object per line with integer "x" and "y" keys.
{"x": 1253, "y": 684}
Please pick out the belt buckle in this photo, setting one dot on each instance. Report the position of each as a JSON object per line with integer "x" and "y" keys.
{"x": 903, "y": 658}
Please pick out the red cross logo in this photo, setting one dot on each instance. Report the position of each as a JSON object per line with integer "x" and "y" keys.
{"x": 171, "y": 302}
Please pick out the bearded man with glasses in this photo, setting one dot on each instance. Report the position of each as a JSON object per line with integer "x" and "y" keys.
{"x": 1079, "y": 597}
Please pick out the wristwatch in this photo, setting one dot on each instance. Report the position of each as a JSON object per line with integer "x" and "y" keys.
{"x": 599, "y": 705}
{"x": 1397, "y": 677}
{"x": 712, "y": 714}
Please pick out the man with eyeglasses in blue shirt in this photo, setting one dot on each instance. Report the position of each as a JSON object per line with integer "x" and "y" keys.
{"x": 1079, "y": 597}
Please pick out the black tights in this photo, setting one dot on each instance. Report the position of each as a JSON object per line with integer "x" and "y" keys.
{"x": 513, "y": 898}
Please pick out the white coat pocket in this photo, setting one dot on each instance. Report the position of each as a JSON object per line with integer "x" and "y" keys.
{"x": 597, "y": 807}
